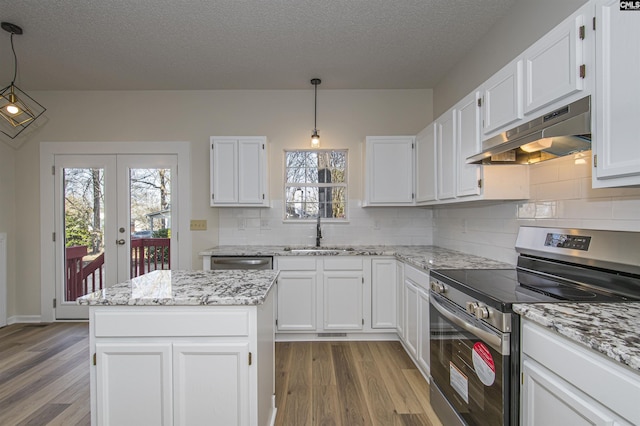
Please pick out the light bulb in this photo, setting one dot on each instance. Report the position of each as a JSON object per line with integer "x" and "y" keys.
{"x": 315, "y": 139}
{"x": 12, "y": 109}
{"x": 538, "y": 145}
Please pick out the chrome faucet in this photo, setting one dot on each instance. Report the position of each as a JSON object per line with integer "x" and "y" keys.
{"x": 318, "y": 233}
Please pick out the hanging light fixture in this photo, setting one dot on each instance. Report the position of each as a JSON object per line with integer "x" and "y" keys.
{"x": 18, "y": 110}
{"x": 315, "y": 137}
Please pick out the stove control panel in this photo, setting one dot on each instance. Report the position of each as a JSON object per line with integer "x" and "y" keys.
{"x": 575, "y": 242}
{"x": 465, "y": 303}
{"x": 438, "y": 287}
{"x": 480, "y": 311}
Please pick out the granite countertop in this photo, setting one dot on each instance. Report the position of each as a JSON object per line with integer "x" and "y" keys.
{"x": 424, "y": 257}
{"x": 613, "y": 329}
{"x": 187, "y": 288}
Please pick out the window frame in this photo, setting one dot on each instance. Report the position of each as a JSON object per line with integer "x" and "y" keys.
{"x": 344, "y": 185}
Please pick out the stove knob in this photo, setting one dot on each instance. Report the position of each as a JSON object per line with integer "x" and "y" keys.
{"x": 471, "y": 307}
{"x": 482, "y": 312}
{"x": 437, "y": 287}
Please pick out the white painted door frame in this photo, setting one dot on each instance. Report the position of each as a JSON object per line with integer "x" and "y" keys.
{"x": 47, "y": 222}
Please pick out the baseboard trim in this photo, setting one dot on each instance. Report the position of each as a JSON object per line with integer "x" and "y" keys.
{"x": 16, "y": 319}
{"x": 313, "y": 337}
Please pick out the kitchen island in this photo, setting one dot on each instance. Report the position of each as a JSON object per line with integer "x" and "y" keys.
{"x": 183, "y": 347}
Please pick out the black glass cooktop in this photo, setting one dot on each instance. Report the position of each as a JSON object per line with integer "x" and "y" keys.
{"x": 501, "y": 288}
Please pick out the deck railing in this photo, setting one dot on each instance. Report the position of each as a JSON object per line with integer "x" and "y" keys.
{"x": 147, "y": 254}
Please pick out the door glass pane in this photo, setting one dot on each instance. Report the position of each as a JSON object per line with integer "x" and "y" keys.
{"x": 83, "y": 231}
{"x": 150, "y": 219}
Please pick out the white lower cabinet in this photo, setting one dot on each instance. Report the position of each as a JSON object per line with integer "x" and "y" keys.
{"x": 411, "y": 315}
{"x": 416, "y": 314}
{"x": 174, "y": 365}
{"x": 342, "y": 300}
{"x": 424, "y": 347}
{"x": 564, "y": 383}
{"x": 383, "y": 293}
{"x": 549, "y": 400}
{"x": 318, "y": 294}
{"x": 341, "y": 296}
{"x": 198, "y": 371}
{"x": 297, "y": 300}
{"x": 400, "y": 303}
{"x": 134, "y": 383}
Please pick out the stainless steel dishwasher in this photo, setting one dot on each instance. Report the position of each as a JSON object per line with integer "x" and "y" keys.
{"x": 241, "y": 262}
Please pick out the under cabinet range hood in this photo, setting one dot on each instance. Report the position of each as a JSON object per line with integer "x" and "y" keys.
{"x": 565, "y": 131}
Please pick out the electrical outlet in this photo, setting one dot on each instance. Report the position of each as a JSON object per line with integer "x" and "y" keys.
{"x": 198, "y": 225}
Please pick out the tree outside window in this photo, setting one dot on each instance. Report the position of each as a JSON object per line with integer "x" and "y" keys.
{"x": 315, "y": 184}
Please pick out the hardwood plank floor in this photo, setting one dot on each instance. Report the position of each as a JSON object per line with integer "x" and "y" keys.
{"x": 44, "y": 374}
{"x": 44, "y": 380}
{"x": 352, "y": 383}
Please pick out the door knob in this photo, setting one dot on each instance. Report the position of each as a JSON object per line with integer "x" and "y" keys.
{"x": 120, "y": 242}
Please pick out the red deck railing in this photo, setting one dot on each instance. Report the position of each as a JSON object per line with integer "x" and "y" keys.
{"x": 147, "y": 254}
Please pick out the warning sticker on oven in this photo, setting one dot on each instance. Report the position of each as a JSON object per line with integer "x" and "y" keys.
{"x": 483, "y": 364}
{"x": 459, "y": 382}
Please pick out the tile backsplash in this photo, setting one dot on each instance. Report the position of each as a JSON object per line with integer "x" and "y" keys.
{"x": 561, "y": 196}
{"x": 365, "y": 226}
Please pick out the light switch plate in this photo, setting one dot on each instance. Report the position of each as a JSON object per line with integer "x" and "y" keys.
{"x": 198, "y": 225}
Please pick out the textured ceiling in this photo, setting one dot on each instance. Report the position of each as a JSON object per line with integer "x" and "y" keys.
{"x": 240, "y": 44}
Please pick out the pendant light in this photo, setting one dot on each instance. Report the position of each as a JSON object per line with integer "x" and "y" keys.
{"x": 315, "y": 137}
{"x": 18, "y": 110}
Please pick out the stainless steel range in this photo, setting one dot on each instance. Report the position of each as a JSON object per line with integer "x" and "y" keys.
{"x": 475, "y": 336}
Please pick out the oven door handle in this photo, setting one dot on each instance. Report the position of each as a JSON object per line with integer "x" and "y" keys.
{"x": 495, "y": 341}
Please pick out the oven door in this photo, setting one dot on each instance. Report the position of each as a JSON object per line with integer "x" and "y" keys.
{"x": 469, "y": 367}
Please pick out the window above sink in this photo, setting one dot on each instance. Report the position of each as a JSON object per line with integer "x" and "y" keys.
{"x": 315, "y": 185}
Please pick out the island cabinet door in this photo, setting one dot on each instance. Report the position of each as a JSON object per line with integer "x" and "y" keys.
{"x": 211, "y": 384}
{"x": 134, "y": 384}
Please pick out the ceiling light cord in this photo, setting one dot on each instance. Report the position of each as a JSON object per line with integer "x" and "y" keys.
{"x": 315, "y": 109}
{"x": 15, "y": 61}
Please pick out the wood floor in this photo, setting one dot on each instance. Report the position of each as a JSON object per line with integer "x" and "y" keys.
{"x": 44, "y": 374}
{"x": 44, "y": 380}
{"x": 349, "y": 384}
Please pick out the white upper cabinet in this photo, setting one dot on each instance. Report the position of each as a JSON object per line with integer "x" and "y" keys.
{"x": 457, "y": 134}
{"x": 617, "y": 108}
{"x": 446, "y": 150}
{"x": 468, "y": 143}
{"x": 426, "y": 164}
{"x": 553, "y": 66}
{"x": 502, "y": 98}
{"x": 239, "y": 171}
{"x": 389, "y": 171}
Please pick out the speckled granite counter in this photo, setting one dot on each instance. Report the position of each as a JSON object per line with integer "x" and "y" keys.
{"x": 187, "y": 288}
{"x": 425, "y": 257}
{"x": 612, "y": 329}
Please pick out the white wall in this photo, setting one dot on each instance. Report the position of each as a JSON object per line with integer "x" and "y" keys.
{"x": 525, "y": 23}
{"x": 345, "y": 117}
{"x": 561, "y": 195}
{"x": 7, "y": 217}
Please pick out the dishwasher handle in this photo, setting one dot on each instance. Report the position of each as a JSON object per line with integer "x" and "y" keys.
{"x": 241, "y": 261}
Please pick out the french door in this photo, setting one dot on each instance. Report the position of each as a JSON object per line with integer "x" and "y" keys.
{"x": 113, "y": 222}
